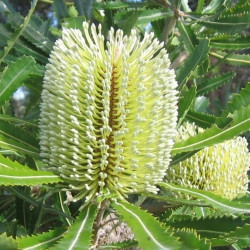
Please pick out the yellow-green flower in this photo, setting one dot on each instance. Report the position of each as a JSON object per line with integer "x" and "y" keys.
{"x": 108, "y": 112}
{"x": 220, "y": 169}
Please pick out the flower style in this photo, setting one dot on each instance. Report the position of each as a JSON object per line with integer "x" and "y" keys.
{"x": 108, "y": 112}
{"x": 220, "y": 169}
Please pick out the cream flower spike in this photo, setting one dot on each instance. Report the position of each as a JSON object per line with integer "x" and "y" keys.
{"x": 108, "y": 112}
{"x": 220, "y": 169}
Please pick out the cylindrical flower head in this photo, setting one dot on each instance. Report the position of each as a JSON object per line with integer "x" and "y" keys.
{"x": 220, "y": 169}
{"x": 108, "y": 112}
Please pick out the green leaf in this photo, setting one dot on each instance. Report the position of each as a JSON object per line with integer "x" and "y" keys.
{"x": 126, "y": 20}
{"x": 116, "y": 4}
{"x": 209, "y": 227}
{"x": 191, "y": 240}
{"x": 234, "y": 59}
{"x": 18, "y": 33}
{"x": 33, "y": 33}
{"x": 7, "y": 243}
{"x": 60, "y": 8}
{"x": 210, "y": 199}
{"x": 188, "y": 36}
{"x": 20, "y": 46}
{"x": 17, "y": 121}
{"x": 181, "y": 157}
{"x": 79, "y": 7}
{"x": 40, "y": 241}
{"x": 202, "y": 120}
{"x": 79, "y": 235}
{"x": 200, "y": 6}
{"x": 150, "y": 15}
{"x": 216, "y": 6}
{"x": 185, "y": 103}
{"x": 149, "y": 232}
{"x": 199, "y": 54}
{"x": 130, "y": 244}
{"x": 240, "y": 123}
{"x": 12, "y": 137}
{"x": 209, "y": 84}
{"x": 14, "y": 75}
{"x": 14, "y": 173}
{"x": 231, "y": 44}
{"x": 237, "y": 101}
{"x": 239, "y": 237}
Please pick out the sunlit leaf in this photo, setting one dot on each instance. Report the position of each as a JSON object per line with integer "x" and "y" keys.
{"x": 149, "y": 232}
{"x": 240, "y": 123}
{"x": 211, "y": 199}
{"x": 40, "y": 241}
{"x": 14, "y": 173}
{"x": 79, "y": 235}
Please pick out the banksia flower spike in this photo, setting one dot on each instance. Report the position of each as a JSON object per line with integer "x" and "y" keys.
{"x": 220, "y": 169}
{"x": 108, "y": 112}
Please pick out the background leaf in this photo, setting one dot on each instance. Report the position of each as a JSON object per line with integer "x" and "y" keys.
{"x": 15, "y": 75}
{"x": 197, "y": 57}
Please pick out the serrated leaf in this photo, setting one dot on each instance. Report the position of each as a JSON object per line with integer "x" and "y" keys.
{"x": 14, "y": 173}
{"x": 185, "y": 103}
{"x": 40, "y": 241}
{"x": 7, "y": 243}
{"x": 209, "y": 227}
{"x": 150, "y": 15}
{"x": 239, "y": 237}
{"x": 12, "y": 137}
{"x": 210, "y": 199}
{"x": 130, "y": 244}
{"x": 199, "y": 54}
{"x": 149, "y": 232}
{"x": 216, "y": 6}
{"x": 191, "y": 240}
{"x": 237, "y": 101}
{"x": 15, "y": 36}
{"x": 20, "y": 46}
{"x": 79, "y": 235}
{"x": 234, "y": 59}
{"x": 231, "y": 44}
{"x": 208, "y": 85}
{"x": 59, "y": 6}
{"x": 200, "y": 6}
{"x": 17, "y": 121}
{"x": 240, "y": 123}
{"x": 117, "y": 4}
{"x": 32, "y": 33}
{"x": 14, "y": 75}
{"x": 202, "y": 120}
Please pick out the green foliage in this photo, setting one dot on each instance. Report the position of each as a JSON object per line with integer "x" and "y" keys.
{"x": 36, "y": 211}
{"x": 79, "y": 235}
{"x": 149, "y": 232}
